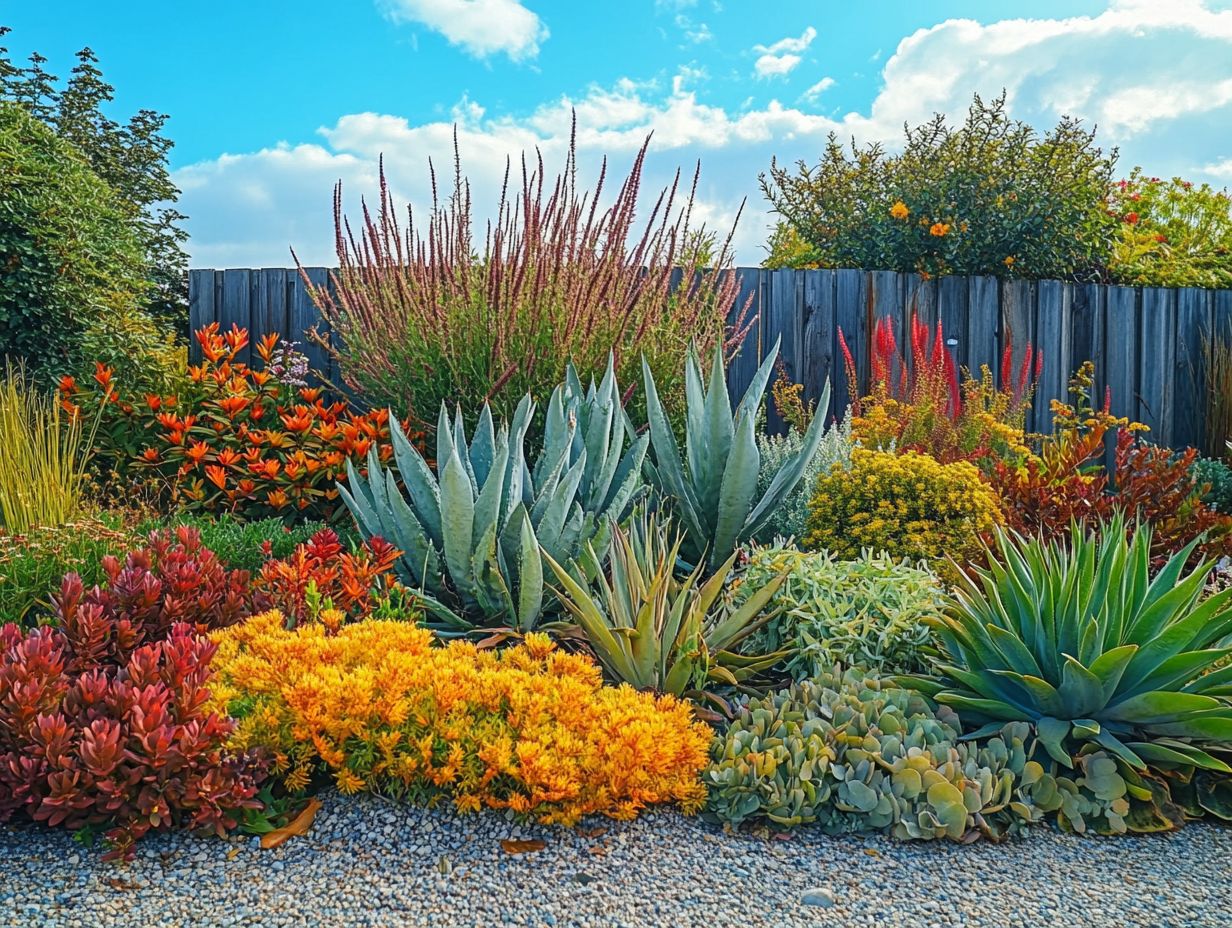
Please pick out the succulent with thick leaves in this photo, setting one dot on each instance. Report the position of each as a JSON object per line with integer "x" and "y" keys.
{"x": 657, "y": 632}
{"x": 714, "y": 486}
{"x": 851, "y": 753}
{"x": 471, "y": 534}
{"x": 1079, "y": 640}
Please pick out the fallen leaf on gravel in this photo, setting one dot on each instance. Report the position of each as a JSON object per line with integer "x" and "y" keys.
{"x": 592, "y": 832}
{"x": 116, "y": 883}
{"x": 233, "y": 853}
{"x": 512, "y": 846}
{"x": 297, "y": 826}
{"x": 598, "y": 850}
{"x": 872, "y": 853}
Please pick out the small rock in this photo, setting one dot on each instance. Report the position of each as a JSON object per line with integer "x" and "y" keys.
{"x": 821, "y": 896}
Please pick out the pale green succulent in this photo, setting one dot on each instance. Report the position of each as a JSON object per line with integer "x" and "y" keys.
{"x": 853, "y": 754}
{"x": 472, "y": 533}
{"x": 791, "y": 517}
{"x": 713, "y": 488}
{"x": 870, "y": 612}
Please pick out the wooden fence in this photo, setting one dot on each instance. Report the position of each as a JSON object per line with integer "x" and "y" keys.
{"x": 1146, "y": 342}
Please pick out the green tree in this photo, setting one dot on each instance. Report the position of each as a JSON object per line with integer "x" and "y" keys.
{"x": 69, "y": 254}
{"x": 991, "y": 196}
{"x": 131, "y": 157}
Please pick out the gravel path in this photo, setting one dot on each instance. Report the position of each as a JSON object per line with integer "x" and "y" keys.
{"x": 372, "y": 863}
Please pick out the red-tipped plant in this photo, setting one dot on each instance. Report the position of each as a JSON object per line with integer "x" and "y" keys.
{"x": 424, "y": 313}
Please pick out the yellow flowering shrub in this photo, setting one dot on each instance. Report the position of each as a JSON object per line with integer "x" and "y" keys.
{"x": 531, "y": 729}
{"x": 909, "y": 504}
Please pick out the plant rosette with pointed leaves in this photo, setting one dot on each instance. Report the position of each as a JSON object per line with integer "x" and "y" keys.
{"x": 1103, "y": 658}
{"x": 713, "y": 487}
{"x": 474, "y": 534}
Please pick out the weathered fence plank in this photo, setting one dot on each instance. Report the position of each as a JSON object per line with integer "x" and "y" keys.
{"x": 1147, "y": 345}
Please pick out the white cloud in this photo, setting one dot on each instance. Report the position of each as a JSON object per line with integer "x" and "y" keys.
{"x": 482, "y": 27}
{"x": 817, "y": 89}
{"x": 696, "y": 33}
{"x": 781, "y": 57}
{"x": 1130, "y": 70}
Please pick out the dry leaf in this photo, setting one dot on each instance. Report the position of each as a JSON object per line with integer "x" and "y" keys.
{"x": 233, "y": 853}
{"x": 512, "y": 846}
{"x": 116, "y": 883}
{"x": 871, "y": 853}
{"x": 592, "y": 832}
{"x": 297, "y": 826}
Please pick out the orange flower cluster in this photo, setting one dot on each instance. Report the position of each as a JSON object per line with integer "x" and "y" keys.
{"x": 529, "y": 729}
{"x": 321, "y": 582}
{"x": 238, "y": 438}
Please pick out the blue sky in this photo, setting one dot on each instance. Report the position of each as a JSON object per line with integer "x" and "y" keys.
{"x": 272, "y": 102}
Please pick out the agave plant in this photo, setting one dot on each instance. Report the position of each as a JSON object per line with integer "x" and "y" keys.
{"x": 714, "y": 486}
{"x": 471, "y": 533}
{"x": 1081, "y": 641}
{"x": 657, "y": 632}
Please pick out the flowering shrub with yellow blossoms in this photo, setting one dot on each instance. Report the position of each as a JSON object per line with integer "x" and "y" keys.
{"x": 530, "y": 729}
{"x": 910, "y": 505}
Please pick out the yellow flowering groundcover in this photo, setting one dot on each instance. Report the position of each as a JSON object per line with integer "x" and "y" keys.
{"x": 530, "y": 728}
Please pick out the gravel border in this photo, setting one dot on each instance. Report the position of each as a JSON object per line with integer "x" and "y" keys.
{"x": 369, "y": 862}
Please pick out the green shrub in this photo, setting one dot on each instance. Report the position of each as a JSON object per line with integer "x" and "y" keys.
{"x": 790, "y": 519}
{"x": 1080, "y": 640}
{"x": 246, "y": 545}
{"x": 988, "y": 197}
{"x": 33, "y": 564}
{"x": 1216, "y": 476}
{"x": 69, "y": 251}
{"x": 1172, "y": 233}
{"x": 869, "y": 611}
{"x": 853, "y": 754}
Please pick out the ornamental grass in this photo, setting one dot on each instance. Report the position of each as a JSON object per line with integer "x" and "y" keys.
{"x": 529, "y": 729}
{"x": 426, "y": 313}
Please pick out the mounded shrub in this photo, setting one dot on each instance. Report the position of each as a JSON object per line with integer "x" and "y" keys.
{"x": 869, "y": 611}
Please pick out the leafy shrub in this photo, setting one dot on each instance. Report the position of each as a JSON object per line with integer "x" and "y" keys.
{"x": 43, "y": 457}
{"x": 319, "y": 581}
{"x": 69, "y": 251}
{"x": 1214, "y": 479}
{"x": 658, "y": 633}
{"x": 917, "y": 403}
{"x": 908, "y": 505}
{"x": 988, "y": 197}
{"x": 853, "y": 753}
{"x": 244, "y": 545}
{"x": 1101, "y": 657}
{"x": 427, "y": 316}
{"x": 1172, "y": 233}
{"x": 103, "y": 730}
{"x": 529, "y": 729}
{"x": 238, "y": 439}
{"x": 713, "y": 488}
{"x": 472, "y": 534}
{"x": 32, "y": 564}
{"x": 1066, "y": 483}
{"x": 869, "y": 611}
{"x": 791, "y": 516}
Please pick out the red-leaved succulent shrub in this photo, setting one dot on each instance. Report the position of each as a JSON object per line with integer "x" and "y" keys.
{"x": 322, "y": 581}
{"x": 97, "y": 734}
{"x": 173, "y": 579}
